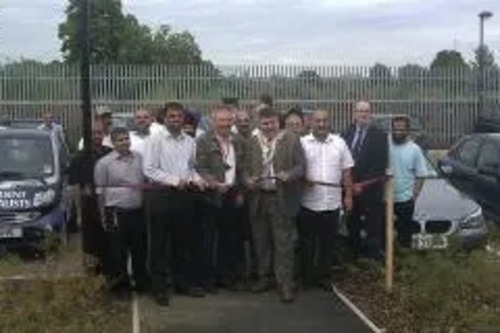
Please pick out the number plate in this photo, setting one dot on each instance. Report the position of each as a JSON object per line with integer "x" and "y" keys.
{"x": 11, "y": 233}
{"x": 425, "y": 242}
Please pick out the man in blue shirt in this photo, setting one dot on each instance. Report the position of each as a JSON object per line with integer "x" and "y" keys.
{"x": 409, "y": 167}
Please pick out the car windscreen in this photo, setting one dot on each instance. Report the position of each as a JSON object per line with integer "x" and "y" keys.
{"x": 26, "y": 157}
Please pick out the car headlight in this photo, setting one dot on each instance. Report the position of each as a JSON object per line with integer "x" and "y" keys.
{"x": 43, "y": 198}
{"x": 473, "y": 221}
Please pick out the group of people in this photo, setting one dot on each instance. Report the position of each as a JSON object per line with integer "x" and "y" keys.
{"x": 255, "y": 199}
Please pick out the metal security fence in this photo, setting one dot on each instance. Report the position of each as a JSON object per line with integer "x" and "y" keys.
{"x": 444, "y": 100}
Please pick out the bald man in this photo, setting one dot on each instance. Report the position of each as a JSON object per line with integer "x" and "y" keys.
{"x": 329, "y": 161}
{"x": 369, "y": 148}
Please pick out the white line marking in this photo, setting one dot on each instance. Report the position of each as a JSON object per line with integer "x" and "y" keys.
{"x": 357, "y": 311}
{"x": 136, "y": 320}
{"x": 39, "y": 276}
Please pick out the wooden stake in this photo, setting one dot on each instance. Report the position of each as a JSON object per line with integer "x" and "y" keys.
{"x": 389, "y": 233}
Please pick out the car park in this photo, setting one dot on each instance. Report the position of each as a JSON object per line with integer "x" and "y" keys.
{"x": 472, "y": 165}
{"x": 32, "y": 181}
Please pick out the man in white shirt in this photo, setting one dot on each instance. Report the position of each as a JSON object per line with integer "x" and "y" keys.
{"x": 169, "y": 162}
{"x": 142, "y": 132}
{"x": 329, "y": 164}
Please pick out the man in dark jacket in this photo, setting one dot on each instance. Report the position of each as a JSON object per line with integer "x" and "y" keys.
{"x": 81, "y": 173}
{"x": 219, "y": 161}
{"x": 369, "y": 148}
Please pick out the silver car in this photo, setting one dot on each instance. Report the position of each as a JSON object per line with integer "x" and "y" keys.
{"x": 443, "y": 213}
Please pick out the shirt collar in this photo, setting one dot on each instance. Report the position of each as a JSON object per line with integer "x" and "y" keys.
{"x": 117, "y": 156}
{"x": 180, "y": 137}
{"x": 310, "y": 137}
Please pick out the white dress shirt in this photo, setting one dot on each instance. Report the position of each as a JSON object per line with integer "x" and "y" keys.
{"x": 138, "y": 142}
{"x": 326, "y": 161}
{"x": 168, "y": 159}
{"x": 227, "y": 149}
{"x": 156, "y": 128}
{"x": 106, "y": 141}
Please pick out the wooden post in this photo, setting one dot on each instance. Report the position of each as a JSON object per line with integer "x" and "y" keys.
{"x": 389, "y": 232}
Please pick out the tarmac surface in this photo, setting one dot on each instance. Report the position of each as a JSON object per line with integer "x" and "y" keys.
{"x": 313, "y": 311}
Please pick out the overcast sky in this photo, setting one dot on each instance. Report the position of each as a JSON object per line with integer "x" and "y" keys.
{"x": 356, "y": 32}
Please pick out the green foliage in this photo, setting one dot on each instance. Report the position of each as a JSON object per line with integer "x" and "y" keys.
{"x": 448, "y": 59}
{"x": 119, "y": 38}
{"x": 451, "y": 291}
{"x": 70, "y": 305}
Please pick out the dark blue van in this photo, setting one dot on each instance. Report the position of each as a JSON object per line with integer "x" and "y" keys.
{"x": 32, "y": 205}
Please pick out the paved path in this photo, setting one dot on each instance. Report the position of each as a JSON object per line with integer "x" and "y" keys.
{"x": 317, "y": 312}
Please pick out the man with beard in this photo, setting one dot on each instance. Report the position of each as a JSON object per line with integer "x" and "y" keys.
{"x": 409, "y": 169}
{"x": 142, "y": 130}
{"x": 169, "y": 163}
{"x": 81, "y": 173}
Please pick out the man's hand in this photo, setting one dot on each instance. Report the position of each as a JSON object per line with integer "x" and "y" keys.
{"x": 182, "y": 184}
{"x": 87, "y": 190}
{"x": 251, "y": 182}
{"x": 348, "y": 204}
{"x": 240, "y": 200}
{"x": 283, "y": 176}
{"x": 222, "y": 188}
{"x": 200, "y": 184}
{"x": 357, "y": 189}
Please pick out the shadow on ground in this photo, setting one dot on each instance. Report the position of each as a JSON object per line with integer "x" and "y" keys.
{"x": 316, "y": 311}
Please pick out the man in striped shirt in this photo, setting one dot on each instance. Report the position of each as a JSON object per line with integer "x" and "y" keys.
{"x": 169, "y": 160}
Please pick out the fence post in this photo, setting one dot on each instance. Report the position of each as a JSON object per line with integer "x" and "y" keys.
{"x": 389, "y": 232}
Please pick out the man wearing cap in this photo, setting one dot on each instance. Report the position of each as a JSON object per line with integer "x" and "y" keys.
{"x": 103, "y": 115}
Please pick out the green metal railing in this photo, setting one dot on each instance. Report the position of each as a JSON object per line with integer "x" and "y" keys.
{"x": 444, "y": 100}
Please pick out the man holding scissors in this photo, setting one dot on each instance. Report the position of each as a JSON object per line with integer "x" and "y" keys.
{"x": 275, "y": 167}
{"x": 329, "y": 164}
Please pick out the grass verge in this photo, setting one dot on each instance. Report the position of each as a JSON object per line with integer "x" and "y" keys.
{"x": 450, "y": 292}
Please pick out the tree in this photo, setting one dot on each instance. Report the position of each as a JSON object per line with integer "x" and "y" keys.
{"x": 119, "y": 38}
{"x": 491, "y": 69}
{"x": 380, "y": 71}
{"x": 447, "y": 59}
{"x": 106, "y": 31}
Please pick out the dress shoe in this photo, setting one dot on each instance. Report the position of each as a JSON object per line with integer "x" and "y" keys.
{"x": 196, "y": 292}
{"x": 162, "y": 298}
{"x": 287, "y": 294}
{"x": 261, "y": 286}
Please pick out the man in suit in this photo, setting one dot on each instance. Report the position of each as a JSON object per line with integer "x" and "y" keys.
{"x": 369, "y": 148}
{"x": 275, "y": 168}
{"x": 219, "y": 161}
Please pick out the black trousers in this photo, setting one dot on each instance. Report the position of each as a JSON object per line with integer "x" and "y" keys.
{"x": 405, "y": 226}
{"x": 186, "y": 243}
{"x": 224, "y": 237}
{"x": 317, "y": 234}
{"x": 174, "y": 254}
{"x": 366, "y": 226}
{"x": 93, "y": 235}
{"x": 126, "y": 235}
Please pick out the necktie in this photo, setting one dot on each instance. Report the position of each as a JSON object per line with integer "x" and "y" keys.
{"x": 358, "y": 142}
